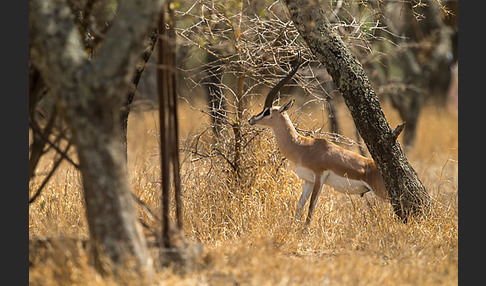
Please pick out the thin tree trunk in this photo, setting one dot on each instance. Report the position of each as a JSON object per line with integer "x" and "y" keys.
{"x": 216, "y": 98}
{"x": 333, "y": 116}
{"x": 170, "y": 238}
{"x": 163, "y": 80}
{"x": 406, "y": 192}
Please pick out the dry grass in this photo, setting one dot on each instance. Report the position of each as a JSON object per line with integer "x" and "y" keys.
{"x": 246, "y": 225}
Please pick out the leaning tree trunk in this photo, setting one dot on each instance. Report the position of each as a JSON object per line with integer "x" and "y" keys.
{"x": 89, "y": 96}
{"x": 405, "y": 190}
{"x": 125, "y": 110}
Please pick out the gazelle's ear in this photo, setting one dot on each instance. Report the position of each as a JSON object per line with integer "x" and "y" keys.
{"x": 286, "y": 106}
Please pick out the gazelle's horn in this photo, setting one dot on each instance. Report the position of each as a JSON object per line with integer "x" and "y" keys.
{"x": 271, "y": 94}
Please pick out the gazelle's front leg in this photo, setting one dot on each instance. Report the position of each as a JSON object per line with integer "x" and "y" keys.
{"x": 306, "y": 191}
{"x": 316, "y": 189}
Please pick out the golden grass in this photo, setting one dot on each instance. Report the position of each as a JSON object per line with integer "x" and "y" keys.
{"x": 246, "y": 225}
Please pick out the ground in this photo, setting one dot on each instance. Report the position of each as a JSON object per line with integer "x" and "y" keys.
{"x": 245, "y": 228}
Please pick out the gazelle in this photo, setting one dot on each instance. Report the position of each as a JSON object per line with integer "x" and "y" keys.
{"x": 317, "y": 161}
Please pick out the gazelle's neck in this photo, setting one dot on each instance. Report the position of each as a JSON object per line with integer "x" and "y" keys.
{"x": 288, "y": 140}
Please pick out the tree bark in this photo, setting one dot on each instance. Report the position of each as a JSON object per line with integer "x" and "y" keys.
{"x": 88, "y": 95}
{"x": 406, "y": 192}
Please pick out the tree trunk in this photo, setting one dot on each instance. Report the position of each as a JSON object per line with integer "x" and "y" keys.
{"x": 88, "y": 95}
{"x": 110, "y": 208}
{"x": 406, "y": 192}
{"x": 216, "y": 98}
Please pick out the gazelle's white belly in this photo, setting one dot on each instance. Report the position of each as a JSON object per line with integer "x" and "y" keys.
{"x": 338, "y": 183}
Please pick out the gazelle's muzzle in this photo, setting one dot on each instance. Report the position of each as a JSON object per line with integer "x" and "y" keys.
{"x": 253, "y": 120}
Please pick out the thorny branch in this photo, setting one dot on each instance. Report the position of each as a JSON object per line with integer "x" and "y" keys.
{"x": 259, "y": 45}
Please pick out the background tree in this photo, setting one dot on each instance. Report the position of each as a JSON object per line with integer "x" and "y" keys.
{"x": 87, "y": 94}
{"x": 419, "y": 53}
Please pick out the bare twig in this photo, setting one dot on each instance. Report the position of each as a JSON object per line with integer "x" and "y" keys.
{"x": 46, "y": 179}
{"x": 62, "y": 153}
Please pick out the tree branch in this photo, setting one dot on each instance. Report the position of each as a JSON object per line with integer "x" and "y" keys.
{"x": 398, "y": 130}
{"x": 46, "y": 179}
{"x": 55, "y": 45}
{"x": 134, "y": 22}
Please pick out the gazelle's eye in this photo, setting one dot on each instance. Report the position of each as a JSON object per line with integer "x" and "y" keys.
{"x": 266, "y": 113}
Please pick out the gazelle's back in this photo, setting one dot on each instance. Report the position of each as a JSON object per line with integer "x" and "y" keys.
{"x": 325, "y": 156}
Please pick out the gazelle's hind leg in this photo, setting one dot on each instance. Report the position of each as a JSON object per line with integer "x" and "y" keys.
{"x": 306, "y": 191}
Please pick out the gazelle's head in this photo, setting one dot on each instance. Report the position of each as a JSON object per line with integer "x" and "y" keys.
{"x": 271, "y": 113}
{"x": 269, "y": 116}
